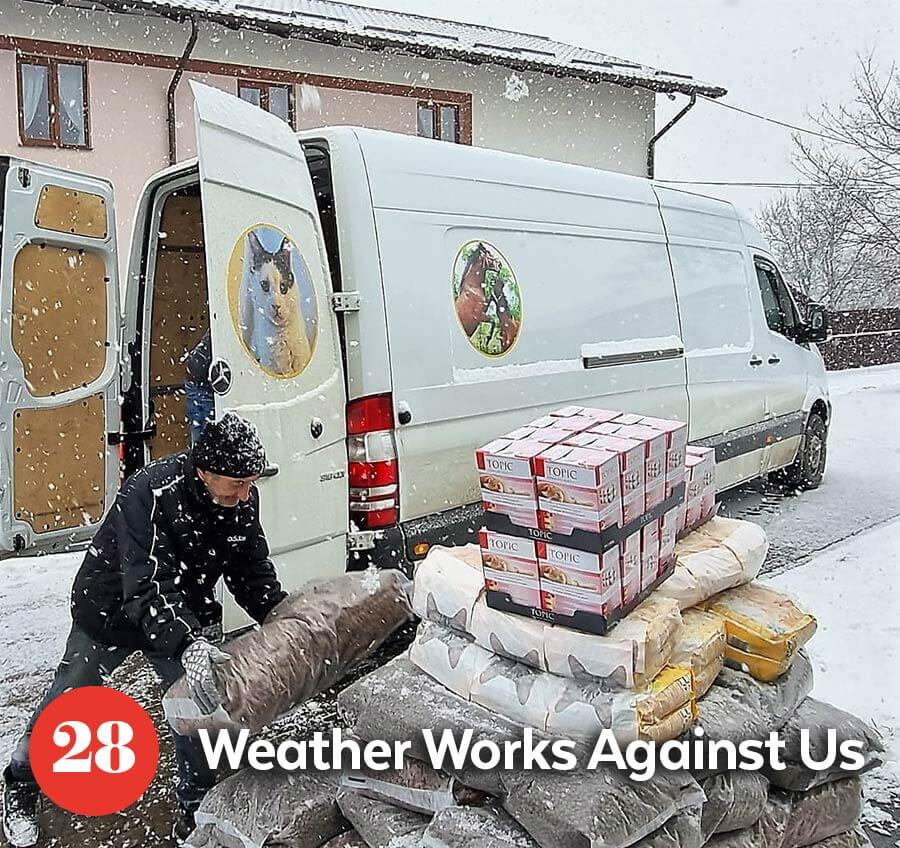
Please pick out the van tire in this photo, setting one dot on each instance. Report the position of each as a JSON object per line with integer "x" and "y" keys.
{"x": 808, "y": 468}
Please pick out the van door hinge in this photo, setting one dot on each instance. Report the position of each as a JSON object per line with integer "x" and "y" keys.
{"x": 347, "y": 301}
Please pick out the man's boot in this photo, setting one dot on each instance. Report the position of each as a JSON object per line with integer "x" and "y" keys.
{"x": 20, "y": 811}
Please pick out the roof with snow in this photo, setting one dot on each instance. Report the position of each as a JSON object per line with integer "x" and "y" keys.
{"x": 374, "y": 29}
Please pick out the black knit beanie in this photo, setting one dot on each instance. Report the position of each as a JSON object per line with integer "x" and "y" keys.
{"x": 230, "y": 447}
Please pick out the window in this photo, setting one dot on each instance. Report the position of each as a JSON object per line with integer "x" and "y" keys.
{"x": 781, "y": 315}
{"x": 53, "y": 102}
{"x": 438, "y": 120}
{"x": 277, "y": 99}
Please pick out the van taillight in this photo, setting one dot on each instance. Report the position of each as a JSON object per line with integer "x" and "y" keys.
{"x": 372, "y": 454}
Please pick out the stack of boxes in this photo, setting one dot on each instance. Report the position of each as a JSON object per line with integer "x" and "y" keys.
{"x": 583, "y": 507}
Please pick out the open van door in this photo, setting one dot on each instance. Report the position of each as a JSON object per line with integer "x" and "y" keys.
{"x": 276, "y": 351}
{"x": 59, "y": 355}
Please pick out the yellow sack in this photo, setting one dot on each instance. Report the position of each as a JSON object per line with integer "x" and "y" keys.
{"x": 661, "y": 711}
{"x": 672, "y": 726}
{"x": 700, "y": 646}
{"x": 765, "y": 628}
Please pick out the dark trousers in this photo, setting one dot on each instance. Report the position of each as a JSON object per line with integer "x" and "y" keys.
{"x": 89, "y": 663}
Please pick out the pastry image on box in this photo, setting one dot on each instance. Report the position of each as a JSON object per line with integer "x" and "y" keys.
{"x": 579, "y": 486}
{"x": 508, "y": 554}
{"x": 506, "y": 479}
{"x": 573, "y": 581}
{"x": 630, "y": 567}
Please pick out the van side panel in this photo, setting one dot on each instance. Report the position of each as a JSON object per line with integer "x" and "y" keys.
{"x": 588, "y": 279}
{"x": 715, "y": 286}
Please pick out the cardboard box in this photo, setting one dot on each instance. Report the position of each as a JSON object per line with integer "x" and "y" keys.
{"x": 550, "y": 435}
{"x": 607, "y": 428}
{"x": 506, "y": 478}
{"x": 598, "y": 416}
{"x": 701, "y": 471}
{"x": 510, "y": 565}
{"x": 668, "y": 532}
{"x": 676, "y": 444}
{"x": 574, "y": 581}
{"x": 654, "y": 495}
{"x": 631, "y": 471}
{"x": 519, "y": 434}
{"x": 578, "y": 487}
{"x": 581, "y": 440}
{"x": 630, "y": 567}
{"x": 654, "y": 451}
{"x": 649, "y": 554}
{"x": 629, "y": 418}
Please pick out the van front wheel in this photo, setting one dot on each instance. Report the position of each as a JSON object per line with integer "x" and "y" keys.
{"x": 809, "y": 466}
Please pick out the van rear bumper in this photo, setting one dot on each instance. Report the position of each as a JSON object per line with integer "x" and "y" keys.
{"x": 395, "y": 546}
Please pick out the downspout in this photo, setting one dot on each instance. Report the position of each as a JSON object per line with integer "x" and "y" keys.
{"x": 173, "y": 85}
{"x": 651, "y": 147}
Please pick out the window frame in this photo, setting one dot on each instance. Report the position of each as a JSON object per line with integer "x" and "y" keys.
{"x": 790, "y": 315}
{"x": 52, "y": 64}
{"x": 436, "y": 106}
{"x": 262, "y": 86}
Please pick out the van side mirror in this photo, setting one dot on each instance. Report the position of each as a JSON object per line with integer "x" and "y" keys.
{"x": 815, "y": 329}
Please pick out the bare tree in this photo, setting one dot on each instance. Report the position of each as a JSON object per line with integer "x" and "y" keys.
{"x": 839, "y": 241}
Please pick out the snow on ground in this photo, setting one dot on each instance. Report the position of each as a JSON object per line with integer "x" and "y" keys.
{"x": 853, "y": 589}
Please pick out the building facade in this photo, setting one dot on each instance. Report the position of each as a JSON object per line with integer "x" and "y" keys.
{"x": 105, "y": 91}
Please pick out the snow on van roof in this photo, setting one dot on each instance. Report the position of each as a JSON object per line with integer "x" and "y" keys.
{"x": 361, "y": 27}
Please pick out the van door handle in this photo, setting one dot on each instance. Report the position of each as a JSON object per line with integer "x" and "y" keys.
{"x": 774, "y": 360}
{"x": 755, "y": 360}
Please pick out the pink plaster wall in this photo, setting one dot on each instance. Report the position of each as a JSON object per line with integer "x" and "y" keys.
{"x": 128, "y": 132}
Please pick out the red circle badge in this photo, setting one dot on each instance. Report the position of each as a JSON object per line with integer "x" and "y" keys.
{"x": 94, "y": 751}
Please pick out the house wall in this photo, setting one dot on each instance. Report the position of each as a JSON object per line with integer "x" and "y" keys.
{"x": 599, "y": 125}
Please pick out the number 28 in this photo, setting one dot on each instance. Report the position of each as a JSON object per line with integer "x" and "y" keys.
{"x": 77, "y": 735}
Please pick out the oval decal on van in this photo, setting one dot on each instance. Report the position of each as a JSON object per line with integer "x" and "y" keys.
{"x": 486, "y": 298}
{"x": 273, "y": 302}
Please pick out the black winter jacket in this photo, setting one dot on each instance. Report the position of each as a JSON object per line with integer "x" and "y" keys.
{"x": 149, "y": 576}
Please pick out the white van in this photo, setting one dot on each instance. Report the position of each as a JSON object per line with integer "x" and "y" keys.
{"x": 421, "y": 298}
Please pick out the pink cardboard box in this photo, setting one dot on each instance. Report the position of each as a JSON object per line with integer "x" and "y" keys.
{"x": 581, "y": 440}
{"x": 701, "y": 471}
{"x": 519, "y": 434}
{"x": 510, "y": 565}
{"x": 550, "y": 435}
{"x": 573, "y": 581}
{"x": 598, "y": 416}
{"x": 630, "y": 567}
{"x": 506, "y": 478}
{"x": 578, "y": 487}
{"x": 607, "y": 428}
{"x": 676, "y": 443}
{"x": 631, "y": 470}
{"x": 654, "y": 451}
{"x": 629, "y": 418}
{"x": 649, "y": 554}
{"x": 654, "y": 495}
{"x": 668, "y": 532}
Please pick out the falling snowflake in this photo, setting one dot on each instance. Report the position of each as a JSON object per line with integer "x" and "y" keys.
{"x": 516, "y": 88}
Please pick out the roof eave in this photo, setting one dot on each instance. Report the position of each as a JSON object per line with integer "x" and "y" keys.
{"x": 368, "y": 42}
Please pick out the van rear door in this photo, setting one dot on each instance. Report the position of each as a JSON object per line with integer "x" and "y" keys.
{"x": 276, "y": 354}
{"x": 59, "y": 355}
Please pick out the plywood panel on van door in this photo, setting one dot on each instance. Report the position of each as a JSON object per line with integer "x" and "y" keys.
{"x": 67, "y": 210}
{"x": 59, "y": 471}
{"x": 59, "y": 317}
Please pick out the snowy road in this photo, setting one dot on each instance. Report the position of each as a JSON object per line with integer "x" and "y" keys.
{"x": 860, "y": 489}
{"x": 852, "y": 586}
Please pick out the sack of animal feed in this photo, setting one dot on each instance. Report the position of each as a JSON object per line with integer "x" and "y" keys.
{"x": 700, "y": 646}
{"x": 308, "y": 642}
{"x": 599, "y": 807}
{"x": 381, "y": 824}
{"x": 252, "y": 808}
{"x": 575, "y": 709}
{"x": 476, "y": 827}
{"x": 739, "y": 707}
{"x": 822, "y": 812}
{"x": 347, "y": 839}
{"x": 449, "y": 590}
{"x": 819, "y": 719}
{"x": 417, "y": 787}
{"x": 767, "y": 832}
{"x": 734, "y": 800}
{"x": 719, "y": 555}
{"x": 765, "y": 629}
{"x": 680, "y": 831}
{"x": 851, "y": 839}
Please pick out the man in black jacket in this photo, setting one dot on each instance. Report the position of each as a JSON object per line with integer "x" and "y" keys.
{"x": 147, "y": 584}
